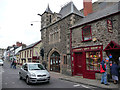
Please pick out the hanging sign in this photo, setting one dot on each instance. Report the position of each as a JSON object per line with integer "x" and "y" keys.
{"x": 109, "y": 26}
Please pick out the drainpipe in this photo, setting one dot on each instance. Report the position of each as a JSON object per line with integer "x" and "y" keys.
{"x": 71, "y": 50}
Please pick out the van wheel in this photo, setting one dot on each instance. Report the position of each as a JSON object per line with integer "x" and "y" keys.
{"x": 27, "y": 80}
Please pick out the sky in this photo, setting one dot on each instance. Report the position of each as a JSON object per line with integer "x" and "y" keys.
{"x": 16, "y": 17}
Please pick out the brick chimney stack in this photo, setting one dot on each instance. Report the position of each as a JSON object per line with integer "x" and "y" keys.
{"x": 18, "y": 44}
{"x": 87, "y": 7}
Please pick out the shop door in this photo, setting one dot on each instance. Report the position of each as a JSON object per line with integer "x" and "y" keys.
{"x": 78, "y": 64}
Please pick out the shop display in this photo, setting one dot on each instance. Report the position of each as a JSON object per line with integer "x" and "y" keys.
{"x": 93, "y": 61}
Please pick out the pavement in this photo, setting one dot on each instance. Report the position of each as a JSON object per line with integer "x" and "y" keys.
{"x": 81, "y": 80}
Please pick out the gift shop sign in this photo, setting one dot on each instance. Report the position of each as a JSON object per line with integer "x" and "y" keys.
{"x": 89, "y": 48}
{"x": 109, "y": 26}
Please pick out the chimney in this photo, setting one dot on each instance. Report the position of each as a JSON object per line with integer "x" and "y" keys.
{"x": 87, "y": 7}
{"x": 19, "y": 44}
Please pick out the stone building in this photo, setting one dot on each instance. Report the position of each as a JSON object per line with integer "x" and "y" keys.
{"x": 93, "y": 38}
{"x": 74, "y": 43}
{"x": 55, "y": 35}
{"x": 2, "y": 53}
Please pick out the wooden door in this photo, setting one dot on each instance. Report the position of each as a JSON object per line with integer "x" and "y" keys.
{"x": 78, "y": 64}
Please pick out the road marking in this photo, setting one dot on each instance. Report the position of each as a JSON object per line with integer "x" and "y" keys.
{"x": 77, "y": 85}
{"x": 84, "y": 86}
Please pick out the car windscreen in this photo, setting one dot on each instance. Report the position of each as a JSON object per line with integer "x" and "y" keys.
{"x": 36, "y": 67}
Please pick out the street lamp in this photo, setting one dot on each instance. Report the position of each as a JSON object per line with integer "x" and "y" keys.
{"x": 32, "y": 22}
{"x": 39, "y": 14}
{"x": 35, "y": 21}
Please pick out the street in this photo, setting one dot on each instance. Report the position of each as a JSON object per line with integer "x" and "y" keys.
{"x": 10, "y": 79}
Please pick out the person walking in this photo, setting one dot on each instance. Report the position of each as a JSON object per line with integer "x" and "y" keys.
{"x": 14, "y": 66}
{"x": 115, "y": 72}
{"x": 103, "y": 68}
{"x": 12, "y": 63}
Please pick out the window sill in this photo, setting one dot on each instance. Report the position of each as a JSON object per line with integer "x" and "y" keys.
{"x": 87, "y": 40}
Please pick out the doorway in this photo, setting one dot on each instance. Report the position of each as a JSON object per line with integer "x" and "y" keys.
{"x": 78, "y": 64}
{"x": 55, "y": 62}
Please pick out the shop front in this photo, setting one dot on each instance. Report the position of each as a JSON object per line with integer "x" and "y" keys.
{"x": 113, "y": 49}
{"x": 86, "y": 61}
{"x": 35, "y": 59}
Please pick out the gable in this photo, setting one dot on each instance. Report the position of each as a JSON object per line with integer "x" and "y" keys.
{"x": 112, "y": 46}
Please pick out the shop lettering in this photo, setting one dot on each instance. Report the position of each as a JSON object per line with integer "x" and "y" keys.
{"x": 109, "y": 26}
{"x": 94, "y": 47}
{"x": 86, "y": 48}
{"x": 80, "y": 49}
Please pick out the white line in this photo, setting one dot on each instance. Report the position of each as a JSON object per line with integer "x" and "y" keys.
{"x": 84, "y": 86}
{"x": 77, "y": 85}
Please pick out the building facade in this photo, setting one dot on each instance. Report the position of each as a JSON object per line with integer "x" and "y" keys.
{"x": 2, "y": 53}
{"x": 93, "y": 38}
{"x": 31, "y": 53}
{"x": 55, "y": 35}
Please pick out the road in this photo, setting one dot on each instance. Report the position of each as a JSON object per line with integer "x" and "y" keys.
{"x": 10, "y": 79}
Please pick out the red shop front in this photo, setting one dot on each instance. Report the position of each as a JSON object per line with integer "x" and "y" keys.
{"x": 86, "y": 61}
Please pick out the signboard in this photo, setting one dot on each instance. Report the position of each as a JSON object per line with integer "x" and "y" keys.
{"x": 90, "y": 48}
{"x": 109, "y": 26}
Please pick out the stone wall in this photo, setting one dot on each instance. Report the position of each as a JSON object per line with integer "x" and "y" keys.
{"x": 99, "y": 31}
{"x": 63, "y": 45}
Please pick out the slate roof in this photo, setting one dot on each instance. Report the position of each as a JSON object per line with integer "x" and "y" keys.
{"x": 31, "y": 45}
{"x": 68, "y": 9}
{"x": 99, "y": 14}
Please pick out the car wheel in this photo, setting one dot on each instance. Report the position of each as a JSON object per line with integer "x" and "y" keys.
{"x": 27, "y": 80}
{"x": 48, "y": 81}
{"x": 20, "y": 78}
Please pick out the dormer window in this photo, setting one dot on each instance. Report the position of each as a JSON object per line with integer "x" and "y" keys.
{"x": 86, "y": 33}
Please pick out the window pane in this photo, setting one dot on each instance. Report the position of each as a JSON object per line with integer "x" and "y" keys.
{"x": 87, "y": 33}
{"x": 93, "y": 61}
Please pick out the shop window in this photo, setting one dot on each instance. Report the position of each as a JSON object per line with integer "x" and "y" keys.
{"x": 86, "y": 33}
{"x": 93, "y": 60}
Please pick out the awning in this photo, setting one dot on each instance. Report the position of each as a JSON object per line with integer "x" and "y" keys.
{"x": 112, "y": 46}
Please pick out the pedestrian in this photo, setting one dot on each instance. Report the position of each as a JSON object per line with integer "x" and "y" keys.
{"x": 103, "y": 69}
{"x": 14, "y": 66}
{"x": 12, "y": 63}
{"x": 115, "y": 72}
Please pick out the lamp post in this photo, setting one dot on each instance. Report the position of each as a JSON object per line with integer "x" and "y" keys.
{"x": 33, "y": 22}
{"x": 36, "y": 21}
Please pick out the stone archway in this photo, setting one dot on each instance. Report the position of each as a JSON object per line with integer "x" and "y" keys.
{"x": 54, "y": 61}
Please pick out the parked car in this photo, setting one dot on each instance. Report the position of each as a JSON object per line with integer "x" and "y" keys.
{"x": 1, "y": 62}
{"x": 34, "y": 73}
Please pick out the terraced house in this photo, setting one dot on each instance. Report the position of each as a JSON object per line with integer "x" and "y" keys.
{"x": 95, "y": 37}
{"x": 31, "y": 53}
{"x": 74, "y": 43}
